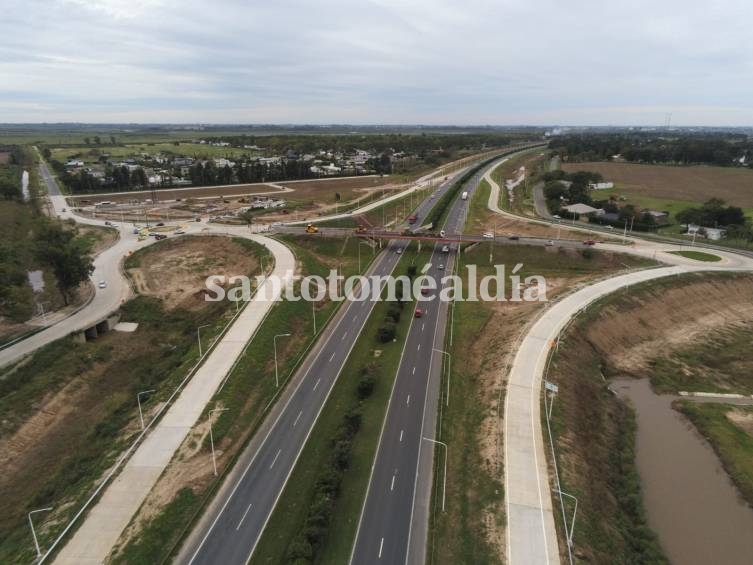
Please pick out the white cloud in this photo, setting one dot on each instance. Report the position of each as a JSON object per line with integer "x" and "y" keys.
{"x": 476, "y": 61}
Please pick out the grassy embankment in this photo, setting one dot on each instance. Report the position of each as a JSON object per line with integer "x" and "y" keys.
{"x": 522, "y": 202}
{"x": 302, "y": 527}
{"x": 699, "y": 342}
{"x": 247, "y": 394}
{"x": 87, "y": 391}
{"x": 729, "y": 429}
{"x": 471, "y": 530}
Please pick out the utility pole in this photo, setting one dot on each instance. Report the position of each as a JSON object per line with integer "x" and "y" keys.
{"x": 211, "y": 437}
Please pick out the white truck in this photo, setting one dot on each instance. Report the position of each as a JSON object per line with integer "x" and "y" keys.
{"x": 464, "y": 196}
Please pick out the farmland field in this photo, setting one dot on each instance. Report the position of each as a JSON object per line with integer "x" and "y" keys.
{"x": 668, "y": 184}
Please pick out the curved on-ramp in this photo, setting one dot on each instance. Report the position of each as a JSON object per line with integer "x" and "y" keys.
{"x": 531, "y": 532}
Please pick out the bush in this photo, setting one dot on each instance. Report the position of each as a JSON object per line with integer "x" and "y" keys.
{"x": 366, "y": 387}
{"x": 386, "y": 333}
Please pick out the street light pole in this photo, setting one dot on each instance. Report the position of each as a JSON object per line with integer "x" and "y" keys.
{"x": 198, "y": 337}
{"x": 33, "y": 533}
{"x": 211, "y": 437}
{"x": 449, "y": 370}
{"x": 274, "y": 341}
{"x": 444, "y": 481}
{"x": 138, "y": 401}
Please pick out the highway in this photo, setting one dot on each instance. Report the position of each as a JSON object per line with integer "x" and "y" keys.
{"x": 230, "y": 530}
{"x": 393, "y": 524}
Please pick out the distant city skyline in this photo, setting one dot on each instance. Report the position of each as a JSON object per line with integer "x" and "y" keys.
{"x": 479, "y": 62}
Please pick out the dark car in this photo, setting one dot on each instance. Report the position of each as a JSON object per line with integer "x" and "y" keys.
{"x": 589, "y": 242}
{"x": 160, "y": 224}
{"x": 514, "y": 237}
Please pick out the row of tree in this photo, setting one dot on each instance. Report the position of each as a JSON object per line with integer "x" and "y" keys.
{"x": 652, "y": 147}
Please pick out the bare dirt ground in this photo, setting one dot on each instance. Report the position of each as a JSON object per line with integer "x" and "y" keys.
{"x": 176, "y": 270}
{"x": 692, "y": 183}
{"x": 742, "y": 418}
{"x": 174, "y": 194}
{"x": 666, "y": 320}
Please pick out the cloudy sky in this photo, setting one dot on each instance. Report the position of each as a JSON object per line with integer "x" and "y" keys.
{"x": 591, "y": 62}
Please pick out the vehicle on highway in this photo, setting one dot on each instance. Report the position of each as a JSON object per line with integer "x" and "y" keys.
{"x": 441, "y": 233}
{"x": 197, "y": 219}
{"x": 102, "y": 284}
{"x": 464, "y": 196}
{"x": 514, "y": 237}
{"x": 556, "y": 217}
{"x": 399, "y": 250}
{"x": 114, "y": 225}
{"x": 160, "y": 236}
{"x": 419, "y": 313}
{"x": 424, "y": 290}
{"x": 152, "y": 234}
{"x": 589, "y": 242}
{"x": 445, "y": 249}
{"x": 549, "y": 243}
{"x": 136, "y": 231}
{"x": 311, "y": 228}
{"x": 413, "y": 218}
{"x": 108, "y": 223}
{"x": 160, "y": 224}
{"x": 488, "y": 235}
{"x": 179, "y": 232}
{"x": 277, "y": 224}
{"x": 441, "y": 267}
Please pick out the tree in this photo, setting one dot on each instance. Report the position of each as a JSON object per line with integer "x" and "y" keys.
{"x": 67, "y": 257}
{"x": 96, "y": 140}
{"x": 46, "y": 153}
{"x": 113, "y": 140}
{"x": 86, "y": 140}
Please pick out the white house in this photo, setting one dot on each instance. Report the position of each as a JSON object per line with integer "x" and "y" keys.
{"x": 583, "y": 209}
{"x": 714, "y": 234}
{"x": 601, "y": 185}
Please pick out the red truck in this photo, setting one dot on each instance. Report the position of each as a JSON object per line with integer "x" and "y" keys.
{"x": 412, "y": 219}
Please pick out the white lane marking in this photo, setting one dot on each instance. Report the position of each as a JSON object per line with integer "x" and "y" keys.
{"x": 414, "y": 371}
{"x": 344, "y": 336}
{"x": 355, "y": 318}
{"x": 297, "y": 418}
{"x": 381, "y": 545}
{"x": 407, "y": 400}
{"x": 419, "y": 347}
{"x": 244, "y": 516}
{"x": 317, "y": 382}
{"x": 401, "y": 436}
{"x": 331, "y": 356}
{"x": 423, "y": 325}
{"x": 275, "y": 459}
{"x": 392, "y": 484}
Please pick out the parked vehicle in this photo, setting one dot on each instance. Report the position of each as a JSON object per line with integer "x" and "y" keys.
{"x": 160, "y": 236}
{"x": 102, "y": 284}
{"x": 488, "y": 235}
{"x": 549, "y": 243}
{"x": 464, "y": 196}
{"x": 160, "y": 224}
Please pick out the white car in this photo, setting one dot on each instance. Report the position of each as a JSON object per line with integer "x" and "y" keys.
{"x": 113, "y": 225}
{"x": 399, "y": 251}
{"x": 488, "y": 235}
{"x": 179, "y": 232}
{"x": 102, "y": 284}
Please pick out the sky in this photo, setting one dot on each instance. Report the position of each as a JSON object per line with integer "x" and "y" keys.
{"x": 434, "y": 62}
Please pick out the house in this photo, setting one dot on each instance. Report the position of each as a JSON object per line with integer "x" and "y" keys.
{"x": 331, "y": 169}
{"x": 583, "y": 209}
{"x": 74, "y": 164}
{"x": 660, "y": 217}
{"x": 601, "y": 185}
{"x": 222, "y": 162}
{"x": 714, "y": 234}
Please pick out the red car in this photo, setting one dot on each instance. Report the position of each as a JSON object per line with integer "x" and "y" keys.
{"x": 419, "y": 312}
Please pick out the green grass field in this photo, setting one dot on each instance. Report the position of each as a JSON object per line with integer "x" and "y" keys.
{"x": 698, "y": 256}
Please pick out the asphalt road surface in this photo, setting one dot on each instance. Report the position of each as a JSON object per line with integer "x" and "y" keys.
{"x": 394, "y": 519}
{"x": 233, "y": 526}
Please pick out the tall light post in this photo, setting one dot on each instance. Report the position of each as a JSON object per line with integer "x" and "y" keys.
{"x": 33, "y": 533}
{"x": 449, "y": 370}
{"x": 198, "y": 337}
{"x": 444, "y": 481}
{"x": 138, "y": 401}
{"x": 211, "y": 437}
{"x": 274, "y": 342}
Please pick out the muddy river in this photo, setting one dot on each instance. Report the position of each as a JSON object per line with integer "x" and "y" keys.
{"x": 690, "y": 501}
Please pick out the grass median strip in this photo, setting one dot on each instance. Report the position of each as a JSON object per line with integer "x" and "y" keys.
{"x": 698, "y": 256}
{"x": 316, "y": 518}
